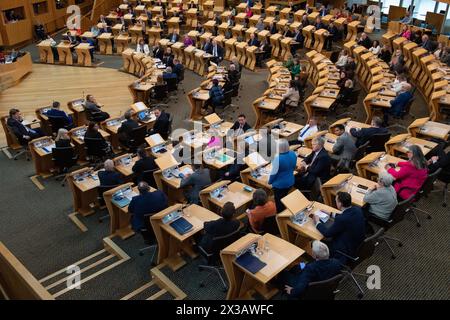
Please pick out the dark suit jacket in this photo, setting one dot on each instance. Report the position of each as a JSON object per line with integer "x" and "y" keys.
{"x": 18, "y": 128}
{"x": 177, "y": 37}
{"x": 273, "y": 30}
{"x": 110, "y": 178}
{"x": 126, "y": 128}
{"x": 253, "y": 42}
{"x": 318, "y": 270}
{"x": 207, "y": 48}
{"x": 236, "y": 126}
{"x": 428, "y": 45}
{"x": 443, "y": 162}
{"x": 92, "y": 134}
{"x": 158, "y": 53}
{"x": 363, "y": 135}
{"x": 319, "y": 26}
{"x": 168, "y": 60}
{"x": 62, "y": 143}
{"x": 220, "y": 51}
{"x": 59, "y": 113}
{"x": 288, "y": 34}
{"x": 217, "y": 228}
{"x": 148, "y": 163}
{"x": 148, "y": 203}
{"x": 161, "y": 125}
{"x": 365, "y": 43}
{"x": 320, "y": 168}
{"x": 347, "y": 232}
{"x": 233, "y": 75}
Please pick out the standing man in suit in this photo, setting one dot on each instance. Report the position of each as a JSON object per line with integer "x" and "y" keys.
{"x": 23, "y": 133}
{"x": 197, "y": 181}
{"x": 363, "y": 135}
{"x": 344, "y": 148}
{"x": 217, "y": 52}
{"x": 322, "y": 268}
{"x": 144, "y": 163}
{"x": 146, "y": 203}
{"x": 253, "y": 41}
{"x": 174, "y": 36}
{"x": 55, "y": 111}
{"x": 240, "y": 126}
{"x": 316, "y": 165}
{"x": 109, "y": 176}
{"x": 162, "y": 123}
{"x": 126, "y": 128}
{"x": 207, "y": 47}
{"x": 348, "y": 229}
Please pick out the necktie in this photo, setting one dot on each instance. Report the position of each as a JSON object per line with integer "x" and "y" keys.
{"x": 303, "y": 133}
{"x": 215, "y": 51}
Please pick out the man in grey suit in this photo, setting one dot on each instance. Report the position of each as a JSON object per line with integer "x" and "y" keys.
{"x": 344, "y": 149}
{"x": 198, "y": 181}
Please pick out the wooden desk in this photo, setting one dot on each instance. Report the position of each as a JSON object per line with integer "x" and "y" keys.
{"x": 348, "y": 183}
{"x": 285, "y": 48}
{"x": 352, "y": 31}
{"x": 399, "y": 144}
{"x": 286, "y": 129}
{"x": 178, "y": 51}
{"x": 121, "y": 43}
{"x": 124, "y": 164}
{"x": 315, "y": 103}
{"x": 308, "y": 34}
{"x": 231, "y": 192}
{"x": 349, "y": 123}
{"x": 136, "y": 33}
{"x": 423, "y": 127}
{"x": 201, "y": 61}
{"x": 170, "y": 243}
{"x": 372, "y": 164}
{"x": 77, "y": 136}
{"x": 230, "y": 50}
{"x": 156, "y": 142}
{"x": 319, "y": 39}
{"x": 84, "y": 183}
{"x": 84, "y": 55}
{"x": 154, "y": 35}
{"x": 197, "y": 99}
{"x": 191, "y": 18}
{"x": 278, "y": 254}
{"x": 105, "y": 43}
{"x": 79, "y": 113}
{"x": 128, "y": 63}
{"x": 302, "y": 235}
{"x": 46, "y": 52}
{"x": 218, "y": 158}
{"x": 41, "y": 153}
{"x": 375, "y": 101}
{"x": 251, "y": 57}
{"x": 189, "y": 55}
{"x": 65, "y": 53}
{"x": 240, "y": 52}
{"x": 275, "y": 43}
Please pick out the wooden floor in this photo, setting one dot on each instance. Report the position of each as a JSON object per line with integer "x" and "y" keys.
{"x": 48, "y": 83}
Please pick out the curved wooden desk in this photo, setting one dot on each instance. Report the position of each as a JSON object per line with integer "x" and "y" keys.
{"x": 12, "y": 73}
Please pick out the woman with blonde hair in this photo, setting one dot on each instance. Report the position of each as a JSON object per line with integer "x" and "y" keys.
{"x": 62, "y": 139}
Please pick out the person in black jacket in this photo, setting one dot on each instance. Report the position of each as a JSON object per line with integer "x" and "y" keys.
{"x": 161, "y": 125}
{"x": 55, "y": 111}
{"x": 144, "y": 163}
{"x": 363, "y": 135}
{"x": 93, "y": 133}
{"x": 23, "y": 133}
{"x": 348, "y": 229}
{"x": 109, "y": 177}
{"x": 321, "y": 269}
{"x": 62, "y": 139}
{"x": 240, "y": 126}
{"x": 94, "y": 109}
{"x": 316, "y": 165}
{"x": 126, "y": 128}
{"x": 364, "y": 41}
{"x": 233, "y": 74}
{"x": 221, "y": 227}
{"x": 157, "y": 52}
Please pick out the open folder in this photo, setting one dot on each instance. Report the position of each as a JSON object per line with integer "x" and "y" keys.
{"x": 249, "y": 262}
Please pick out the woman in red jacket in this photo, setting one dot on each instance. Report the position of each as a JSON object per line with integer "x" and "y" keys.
{"x": 409, "y": 175}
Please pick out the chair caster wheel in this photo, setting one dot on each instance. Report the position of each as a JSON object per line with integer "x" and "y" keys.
{"x": 201, "y": 285}
{"x": 400, "y": 244}
{"x": 141, "y": 254}
{"x": 418, "y": 225}
{"x": 444, "y": 205}
{"x": 393, "y": 257}
{"x": 15, "y": 159}
{"x": 360, "y": 296}
{"x": 200, "y": 269}
{"x": 429, "y": 217}
{"x": 225, "y": 290}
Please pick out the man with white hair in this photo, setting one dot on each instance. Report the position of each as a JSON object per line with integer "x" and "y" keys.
{"x": 323, "y": 268}
{"x": 109, "y": 177}
{"x": 382, "y": 199}
{"x": 398, "y": 105}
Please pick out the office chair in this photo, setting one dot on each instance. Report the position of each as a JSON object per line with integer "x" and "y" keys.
{"x": 101, "y": 201}
{"x": 57, "y": 123}
{"x": 270, "y": 225}
{"x": 359, "y": 154}
{"x": 235, "y": 86}
{"x": 94, "y": 149}
{"x": 396, "y": 216}
{"x": 149, "y": 238}
{"x": 213, "y": 258}
{"x": 95, "y": 116}
{"x": 349, "y": 102}
{"x": 148, "y": 177}
{"x": 180, "y": 80}
{"x": 64, "y": 159}
{"x": 406, "y": 111}
{"x": 377, "y": 142}
{"x": 24, "y": 150}
{"x": 159, "y": 92}
{"x": 444, "y": 177}
{"x": 322, "y": 290}
{"x": 314, "y": 194}
{"x": 365, "y": 251}
{"x": 170, "y": 126}
{"x": 425, "y": 190}
{"x": 137, "y": 138}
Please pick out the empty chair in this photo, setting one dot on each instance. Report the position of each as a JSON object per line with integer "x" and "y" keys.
{"x": 322, "y": 290}
{"x": 377, "y": 142}
{"x": 64, "y": 159}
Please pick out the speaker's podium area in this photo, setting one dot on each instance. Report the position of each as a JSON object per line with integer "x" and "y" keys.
{"x": 224, "y": 150}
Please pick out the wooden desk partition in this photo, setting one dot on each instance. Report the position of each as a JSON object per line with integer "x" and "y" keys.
{"x": 12, "y": 73}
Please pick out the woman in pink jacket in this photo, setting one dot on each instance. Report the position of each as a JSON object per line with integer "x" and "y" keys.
{"x": 411, "y": 174}
{"x": 406, "y": 33}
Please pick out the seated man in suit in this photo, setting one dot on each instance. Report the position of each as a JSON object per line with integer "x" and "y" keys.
{"x": 169, "y": 74}
{"x": 308, "y": 130}
{"x": 197, "y": 181}
{"x": 93, "y": 107}
{"x": 207, "y": 47}
{"x": 146, "y": 203}
{"x": 162, "y": 124}
{"x": 145, "y": 163}
{"x": 427, "y": 44}
{"x": 363, "y": 135}
{"x": 157, "y": 51}
{"x": 333, "y": 35}
{"x": 221, "y": 227}
{"x": 240, "y": 126}
{"x": 217, "y": 52}
{"x": 316, "y": 165}
{"x": 348, "y": 229}
{"x": 318, "y": 24}
{"x": 216, "y": 96}
{"x": 109, "y": 176}
{"x": 55, "y": 111}
{"x": 178, "y": 69}
{"x": 287, "y": 33}
{"x": 233, "y": 74}
{"x": 126, "y": 128}
{"x": 23, "y": 133}
{"x": 253, "y": 41}
{"x": 344, "y": 148}
{"x": 322, "y": 268}
{"x": 398, "y": 105}
{"x": 174, "y": 36}
{"x": 364, "y": 41}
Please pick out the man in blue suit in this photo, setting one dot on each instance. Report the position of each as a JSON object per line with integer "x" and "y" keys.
{"x": 348, "y": 229}
{"x": 398, "y": 105}
{"x": 217, "y": 52}
{"x": 207, "y": 47}
{"x": 146, "y": 203}
{"x": 253, "y": 41}
{"x": 55, "y": 111}
{"x": 323, "y": 268}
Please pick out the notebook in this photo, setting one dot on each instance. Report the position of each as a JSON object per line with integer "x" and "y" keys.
{"x": 181, "y": 225}
{"x": 250, "y": 262}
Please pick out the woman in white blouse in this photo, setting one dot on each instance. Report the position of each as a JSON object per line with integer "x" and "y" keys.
{"x": 342, "y": 60}
{"x": 376, "y": 48}
{"x": 142, "y": 47}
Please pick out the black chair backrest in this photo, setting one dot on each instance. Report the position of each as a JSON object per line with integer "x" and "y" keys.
{"x": 270, "y": 225}
{"x": 322, "y": 290}
{"x": 137, "y": 136}
{"x": 408, "y": 105}
{"x": 219, "y": 243}
{"x": 316, "y": 190}
{"x": 64, "y": 157}
{"x": 101, "y": 190}
{"x": 400, "y": 210}
{"x": 19, "y": 138}
{"x": 354, "y": 96}
{"x": 377, "y": 141}
{"x": 367, "y": 248}
{"x": 93, "y": 115}
{"x": 181, "y": 75}
{"x": 160, "y": 91}
{"x": 427, "y": 186}
{"x": 235, "y": 87}
{"x": 172, "y": 84}
{"x": 57, "y": 123}
{"x": 228, "y": 98}
{"x": 94, "y": 147}
{"x": 361, "y": 151}
{"x": 148, "y": 177}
